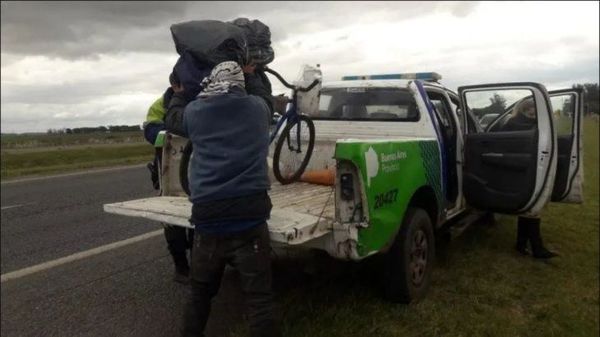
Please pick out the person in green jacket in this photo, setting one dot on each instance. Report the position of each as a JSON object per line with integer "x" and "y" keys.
{"x": 179, "y": 240}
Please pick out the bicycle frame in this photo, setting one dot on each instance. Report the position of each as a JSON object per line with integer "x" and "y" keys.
{"x": 292, "y": 114}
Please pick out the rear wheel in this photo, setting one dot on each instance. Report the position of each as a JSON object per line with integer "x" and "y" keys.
{"x": 184, "y": 167}
{"x": 293, "y": 150}
{"x": 409, "y": 262}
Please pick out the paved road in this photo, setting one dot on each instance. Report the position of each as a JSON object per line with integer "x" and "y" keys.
{"x": 127, "y": 291}
{"x": 44, "y": 219}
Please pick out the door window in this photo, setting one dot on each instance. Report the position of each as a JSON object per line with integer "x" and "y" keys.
{"x": 563, "y": 113}
{"x": 503, "y": 110}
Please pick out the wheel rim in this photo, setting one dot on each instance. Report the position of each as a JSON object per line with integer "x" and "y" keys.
{"x": 418, "y": 257}
{"x": 293, "y": 153}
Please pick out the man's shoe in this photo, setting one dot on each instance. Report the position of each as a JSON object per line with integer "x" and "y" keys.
{"x": 537, "y": 245}
{"x": 522, "y": 249}
{"x": 544, "y": 254}
{"x": 182, "y": 276}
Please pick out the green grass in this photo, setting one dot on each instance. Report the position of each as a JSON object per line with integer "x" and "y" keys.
{"x": 480, "y": 286}
{"x": 18, "y": 163}
{"x": 42, "y": 154}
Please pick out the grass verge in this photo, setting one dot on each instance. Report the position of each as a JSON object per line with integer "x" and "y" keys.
{"x": 18, "y": 163}
{"x": 21, "y": 141}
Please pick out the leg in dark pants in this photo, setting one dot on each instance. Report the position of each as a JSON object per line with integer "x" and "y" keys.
{"x": 529, "y": 230}
{"x": 252, "y": 260}
{"x": 522, "y": 237}
{"x": 208, "y": 265}
{"x": 248, "y": 252}
{"x": 177, "y": 243}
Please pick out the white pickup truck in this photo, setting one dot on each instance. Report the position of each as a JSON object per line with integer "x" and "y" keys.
{"x": 407, "y": 160}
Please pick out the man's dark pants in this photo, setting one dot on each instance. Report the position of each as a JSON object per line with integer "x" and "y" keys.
{"x": 247, "y": 251}
{"x": 178, "y": 243}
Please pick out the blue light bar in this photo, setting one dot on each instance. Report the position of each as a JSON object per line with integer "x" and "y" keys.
{"x": 431, "y": 76}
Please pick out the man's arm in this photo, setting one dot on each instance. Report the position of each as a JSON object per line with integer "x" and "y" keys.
{"x": 258, "y": 84}
{"x": 174, "y": 115}
{"x": 154, "y": 122}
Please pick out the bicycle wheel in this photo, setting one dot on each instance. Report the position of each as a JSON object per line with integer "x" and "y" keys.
{"x": 184, "y": 167}
{"x": 293, "y": 150}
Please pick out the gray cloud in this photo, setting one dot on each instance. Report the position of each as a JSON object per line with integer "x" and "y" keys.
{"x": 131, "y": 43}
{"x": 76, "y": 29}
{"x": 82, "y": 29}
{"x": 76, "y": 93}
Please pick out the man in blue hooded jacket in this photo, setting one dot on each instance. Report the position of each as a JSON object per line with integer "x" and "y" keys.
{"x": 229, "y": 130}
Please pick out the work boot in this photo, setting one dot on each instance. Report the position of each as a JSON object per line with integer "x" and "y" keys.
{"x": 535, "y": 237}
{"x": 522, "y": 237}
{"x": 182, "y": 275}
{"x": 182, "y": 268}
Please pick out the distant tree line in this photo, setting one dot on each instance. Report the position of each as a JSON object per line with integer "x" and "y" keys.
{"x": 103, "y": 129}
{"x": 497, "y": 106}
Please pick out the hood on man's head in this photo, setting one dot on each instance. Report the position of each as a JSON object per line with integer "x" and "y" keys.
{"x": 173, "y": 78}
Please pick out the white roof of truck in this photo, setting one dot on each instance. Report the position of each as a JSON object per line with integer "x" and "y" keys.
{"x": 367, "y": 83}
{"x": 374, "y": 83}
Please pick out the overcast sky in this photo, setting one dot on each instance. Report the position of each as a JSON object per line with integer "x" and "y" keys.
{"x": 74, "y": 64}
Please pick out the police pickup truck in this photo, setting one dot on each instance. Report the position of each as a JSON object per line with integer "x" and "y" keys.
{"x": 408, "y": 160}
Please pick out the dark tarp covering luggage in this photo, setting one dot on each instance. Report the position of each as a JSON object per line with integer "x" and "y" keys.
{"x": 203, "y": 44}
{"x": 190, "y": 72}
{"x": 258, "y": 37}
{"x": 210, "y": 41}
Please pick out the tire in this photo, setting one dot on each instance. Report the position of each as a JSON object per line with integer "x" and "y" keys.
{"x": 409, "y": 262}
{"x": 184, "y": 165}
{"x": 289, "y": 168}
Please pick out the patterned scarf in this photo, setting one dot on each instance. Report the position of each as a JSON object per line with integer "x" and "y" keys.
{"x": 222, "y": 78}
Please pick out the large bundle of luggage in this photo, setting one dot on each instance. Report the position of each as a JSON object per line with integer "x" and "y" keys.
{"x": 210, "y": 41}
{"x": 258, "y": 37}
{"x": 202, "y": 44}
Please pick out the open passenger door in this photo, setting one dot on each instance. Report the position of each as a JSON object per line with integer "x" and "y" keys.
{"x": 567, "y": 105}
{"x": 510, "y": 167}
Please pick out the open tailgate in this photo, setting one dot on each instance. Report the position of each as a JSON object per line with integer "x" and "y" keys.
{"x": 301, "y": 211}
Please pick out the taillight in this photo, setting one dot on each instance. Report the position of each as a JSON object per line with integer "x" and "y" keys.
{"x": 348, "y": 193}
{"x": 347, "y": 186}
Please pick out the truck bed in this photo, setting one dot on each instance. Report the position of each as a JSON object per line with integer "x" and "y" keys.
{"x": 301, "y": 211}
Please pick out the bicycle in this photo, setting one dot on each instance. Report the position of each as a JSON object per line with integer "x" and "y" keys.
{"x": 289, "y": 162}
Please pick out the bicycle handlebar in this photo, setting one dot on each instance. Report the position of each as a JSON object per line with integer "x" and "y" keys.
{"x": 290, "y": 86}
{"x": 312, "y": 85}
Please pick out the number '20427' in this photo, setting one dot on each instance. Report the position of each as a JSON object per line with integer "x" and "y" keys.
{"x": 385, "y": 198}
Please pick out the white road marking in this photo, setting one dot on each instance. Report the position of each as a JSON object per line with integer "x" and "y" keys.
{"x": 74, "y": 174}
{"x": 12, "y": 206}
{"x": 77, "y": 256}
{"x": 19, "y": 205}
